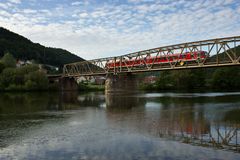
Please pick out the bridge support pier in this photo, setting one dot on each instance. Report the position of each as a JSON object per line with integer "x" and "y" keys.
{"x": 123, "y": 83}
{"x": 68, "y": 84}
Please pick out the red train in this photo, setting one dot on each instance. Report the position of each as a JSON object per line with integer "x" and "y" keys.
{"x": 181, "y": 58}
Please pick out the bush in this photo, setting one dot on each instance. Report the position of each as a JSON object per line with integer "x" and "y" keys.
{"x": 24, "y": 78}
{"x": 82, "y": 86}
{"x": 89, "y": 87}
{"x": 148, "y": 87}
{"x": 165, "y": 81}
{"x": 22, "y": 71}
{"x": 2, "y": 67}
{"x": 7, "y": 77}
{"x": 226, "y": 78}
{"x": 30, "y": 85}
{"x": 14, "y": 87}
{"x": 36, "y": 81}
{"x": 8, "y": 60}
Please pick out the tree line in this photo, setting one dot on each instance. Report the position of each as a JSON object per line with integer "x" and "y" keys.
{"x": 25, "y": 78}
{"x": 224, "y": 78}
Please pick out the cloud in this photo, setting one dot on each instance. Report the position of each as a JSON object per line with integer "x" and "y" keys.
{"x": 83, "y": 15}
{"x": 4, "y": 14}
{"x": 110, "y": 29}
{"x": 3, "y": 5}
{"x": 29, "y": 11}
{"x": 140, "y": 1}
{"x": 76, "y": 3}
{"x": 15, "y": 1}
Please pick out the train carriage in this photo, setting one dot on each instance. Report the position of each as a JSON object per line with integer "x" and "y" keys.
{"x": 195, "y": 56}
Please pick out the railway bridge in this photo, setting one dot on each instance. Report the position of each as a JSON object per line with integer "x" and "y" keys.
{"x": 121, "y": 70}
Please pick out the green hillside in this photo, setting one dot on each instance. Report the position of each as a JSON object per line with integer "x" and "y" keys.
{"x": 223, "y": 56}
{"x": 24, "y": 49}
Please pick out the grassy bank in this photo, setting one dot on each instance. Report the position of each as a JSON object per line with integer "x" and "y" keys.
{"x": 90, "y": 87}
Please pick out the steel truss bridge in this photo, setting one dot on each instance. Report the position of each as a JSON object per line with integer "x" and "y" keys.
{"x": 219, "y": 52}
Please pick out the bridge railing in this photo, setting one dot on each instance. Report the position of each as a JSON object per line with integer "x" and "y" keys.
{"x": 206, "y": 53}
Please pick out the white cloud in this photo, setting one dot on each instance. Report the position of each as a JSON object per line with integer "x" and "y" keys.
{"x": 238, "y": 10}
{"x": 15, "y": 1}
{"x": 76, "y": 3}
{"x": 29, "y": 11}
{"x": 6, "y": 5}
{"x": 4, "y": 14}
{"x": 83, "y": 15}
{"x": 108, "y": 30}
{"x": 3, "y": 5}
{"x": 140, "y": 1}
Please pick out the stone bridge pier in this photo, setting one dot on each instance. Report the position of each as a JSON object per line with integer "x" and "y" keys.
{"x": 68, "y": 84}
{"x": 122, "y": 83}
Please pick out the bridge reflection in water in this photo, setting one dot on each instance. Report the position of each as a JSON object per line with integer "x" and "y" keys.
{"x": 203, "y": 119}
{"x": 177, "y": 118}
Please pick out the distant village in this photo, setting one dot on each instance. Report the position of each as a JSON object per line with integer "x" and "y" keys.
{"x": 43, "y": 67}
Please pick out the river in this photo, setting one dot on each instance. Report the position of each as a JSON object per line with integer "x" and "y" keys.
{"x": 135, "y": 126}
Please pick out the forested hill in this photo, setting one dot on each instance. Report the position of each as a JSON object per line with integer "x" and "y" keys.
{"x": 24, "y": 49}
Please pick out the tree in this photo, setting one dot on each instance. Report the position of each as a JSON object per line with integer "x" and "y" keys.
{"x": 36, "y": 81}
{"x": 199, "y": 78}
{"x": 181, "y": 79}
{"x": 8, "y": 60}
{"x": 24, "y": 78}
{"x": 22, "y": 71}
{"x": 1, "y": 67}
{"x": 226, "y": 78}
{"x": 165, "y": 81}
{"x": 7, "y": 77}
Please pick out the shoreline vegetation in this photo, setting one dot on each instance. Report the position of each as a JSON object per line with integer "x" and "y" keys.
{"x": 32, "y": 78}
{"x": 90, "y": 87}
{"x": 211, "y": 79}
{"x": 25, "y": 78}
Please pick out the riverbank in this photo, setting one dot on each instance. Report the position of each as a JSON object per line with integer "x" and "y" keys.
{"x": 90, "y": 87}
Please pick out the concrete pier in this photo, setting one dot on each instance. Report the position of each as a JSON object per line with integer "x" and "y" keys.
{"x": 123, "y": 83}
{"x": 68, "y": 84}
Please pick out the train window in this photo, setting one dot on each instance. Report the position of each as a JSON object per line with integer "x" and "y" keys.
{"x": 182, "y": 56}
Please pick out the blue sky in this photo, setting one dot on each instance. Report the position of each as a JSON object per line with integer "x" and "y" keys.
{"x": 101, "y": 28}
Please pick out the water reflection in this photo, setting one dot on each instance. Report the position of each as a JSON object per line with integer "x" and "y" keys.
{"x": 210, "y": 120}
{"x": 95, "y": 125}
{"x": 120, "y": 102}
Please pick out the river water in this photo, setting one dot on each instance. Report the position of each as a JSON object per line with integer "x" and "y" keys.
{"x": 137, "y": 126}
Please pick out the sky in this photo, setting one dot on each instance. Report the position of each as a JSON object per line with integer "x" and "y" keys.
{"x": 102, "y": 28}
